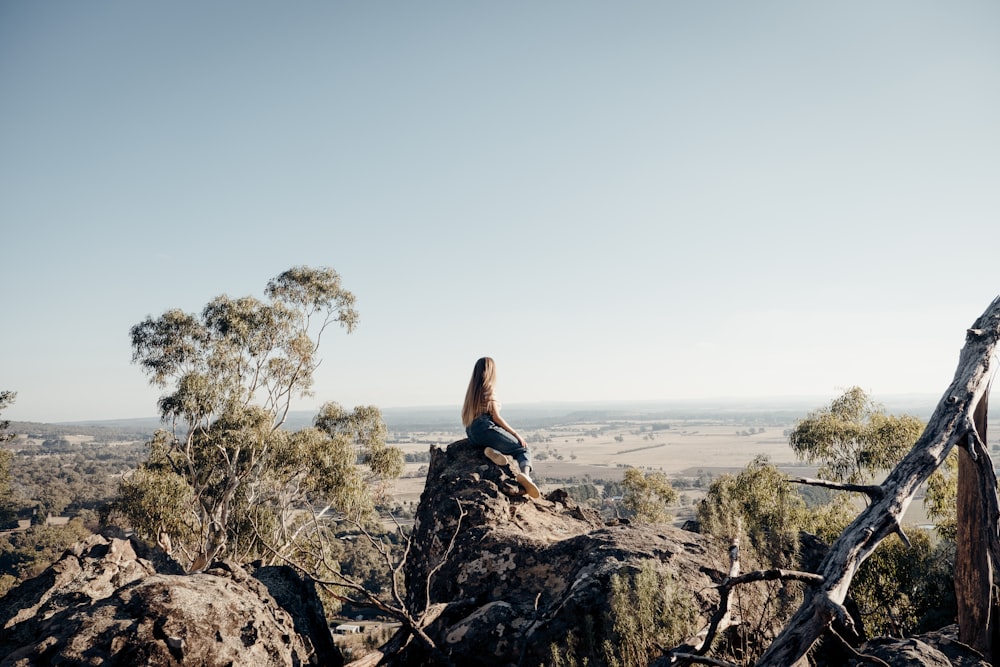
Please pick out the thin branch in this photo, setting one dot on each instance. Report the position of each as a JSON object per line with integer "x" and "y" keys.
{"x": 948, "y": 426}
{"x": 447, "y": 552}
{"x": 855, "y": 653}
{"x": 720, "y": 620}
{"x": 771, "y": 575}
{"x": 902, "y": 536}
{"x": 704, "y": 660}
{"x": 873, "y": 490}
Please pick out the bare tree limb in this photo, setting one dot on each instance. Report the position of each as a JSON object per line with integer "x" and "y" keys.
{"x": 872, "y": 490}
{"x": 701, "y": 659}
{"x": 770, "y": 575}
{"x": 951, "y": 424}
{"x": 720, "y": 620}
{"x": 857, "y": 655}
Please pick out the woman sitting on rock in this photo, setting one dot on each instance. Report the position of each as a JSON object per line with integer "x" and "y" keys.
{"x": 487, "y": 429}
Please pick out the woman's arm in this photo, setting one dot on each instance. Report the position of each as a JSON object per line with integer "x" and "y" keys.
{"x": 502, "y": 423}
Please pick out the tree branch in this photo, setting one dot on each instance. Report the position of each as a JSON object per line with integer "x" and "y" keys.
{"x": 874, "y": 491}
{"x": 810, "y": 578}
{"x": 691, "y": 657}
{"x": 948, "y": 426}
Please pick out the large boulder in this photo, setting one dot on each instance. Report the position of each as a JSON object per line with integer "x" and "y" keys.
{"x": 510, "y": 578}
{"x": 104, "y": 603}
{"x": 940, "y": 648}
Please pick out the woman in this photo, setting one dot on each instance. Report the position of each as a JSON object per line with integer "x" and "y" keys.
{"x": 487, "y": 429}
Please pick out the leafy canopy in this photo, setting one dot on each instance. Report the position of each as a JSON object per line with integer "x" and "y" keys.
{"x": 853, "y": 439}
{"x": 647, "y": 495}
{"x": 6, "y": 398}
{"x": 6, "y": 459}
{"x": 226, "y": 476}
{"x": 758, "y": 508}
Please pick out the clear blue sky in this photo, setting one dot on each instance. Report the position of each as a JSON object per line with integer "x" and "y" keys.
{"x": 617, "y": 201}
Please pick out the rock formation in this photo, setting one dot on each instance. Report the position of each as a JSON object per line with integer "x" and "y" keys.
{"x": 104, "y": 603}
{"x": 494, "y": 577}
{"x": 940, "y": 648}
{"x": 518, "y": 574}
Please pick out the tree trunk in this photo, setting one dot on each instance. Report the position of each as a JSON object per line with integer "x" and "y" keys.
{"x": 973, "y": 565}
{"x": 952, "y": 423}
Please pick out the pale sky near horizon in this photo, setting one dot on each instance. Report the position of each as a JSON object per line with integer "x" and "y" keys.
{"x": 617, "y": 201}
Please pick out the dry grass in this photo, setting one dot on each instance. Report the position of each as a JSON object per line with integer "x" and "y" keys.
{"x": 603, "y": 450}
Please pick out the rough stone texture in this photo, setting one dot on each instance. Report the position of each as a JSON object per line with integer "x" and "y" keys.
{"x": 102, "y": 603}
{"x": 940, "y": 648}
{"x": 521, "y": 573}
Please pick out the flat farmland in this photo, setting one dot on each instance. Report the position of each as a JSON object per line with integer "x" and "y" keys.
{"x": 672, "y": 450}
{"x": 599, "y": 451}
{"x": 602, "y": 450}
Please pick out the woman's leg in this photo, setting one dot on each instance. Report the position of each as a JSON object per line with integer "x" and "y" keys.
{"x": 484, "y": 433}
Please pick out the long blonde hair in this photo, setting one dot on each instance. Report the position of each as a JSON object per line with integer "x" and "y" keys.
{"x": 480, "y": 391}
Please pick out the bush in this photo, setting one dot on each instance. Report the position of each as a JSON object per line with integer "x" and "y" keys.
{"x": 902, "y": 591}
{"x": 647, "y": 612}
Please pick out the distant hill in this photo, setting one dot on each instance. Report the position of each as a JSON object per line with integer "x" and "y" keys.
{"x": 535, "y": 415}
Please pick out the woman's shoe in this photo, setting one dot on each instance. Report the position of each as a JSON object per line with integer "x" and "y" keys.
{"x": 528, "y": 485}
{"x": 496, "y": 457}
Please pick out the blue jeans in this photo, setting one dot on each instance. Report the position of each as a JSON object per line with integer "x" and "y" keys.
{"x": 482, "y": 432}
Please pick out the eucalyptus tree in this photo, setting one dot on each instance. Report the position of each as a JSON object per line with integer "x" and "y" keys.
{"x": 757, "y": 509}
{"x": 648, "y": 495}
{"x": 6, "y": 398}
{"x": 853, "y": 438}
{"x": 6, "y": 458}
{"x": 225, "y": 476}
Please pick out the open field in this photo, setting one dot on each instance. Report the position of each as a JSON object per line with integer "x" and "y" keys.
{"x": 601, "y": 450}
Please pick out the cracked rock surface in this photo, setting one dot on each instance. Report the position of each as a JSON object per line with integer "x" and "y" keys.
{"x": 520, "y": 574}
{"x": 103, "y": 603}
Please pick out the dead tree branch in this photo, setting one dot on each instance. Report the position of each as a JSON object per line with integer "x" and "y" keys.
{"x": 721, "y": 620}
{"x": 810, "y": 578}
{"x": 691, "y": 657}
{"x": 873, "y": 491}
{"x": 347, "y": 589}
{"x": 952, "y": 423}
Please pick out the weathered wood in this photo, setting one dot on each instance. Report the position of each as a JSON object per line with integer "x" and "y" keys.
{"x": 871, "y": 490}
{"x": 952, "y": 423}
{"x": 720, "y": 621}
{"x": 973, "y": 565}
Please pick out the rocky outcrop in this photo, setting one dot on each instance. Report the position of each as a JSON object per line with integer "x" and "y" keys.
{"x": 104, "y": 603}
{"x": 519, "y": 575}
{"x": 940, "y": 648}
{"x": 495, "y": 578}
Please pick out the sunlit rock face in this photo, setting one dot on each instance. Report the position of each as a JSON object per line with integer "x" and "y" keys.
{"x": 102, "y": 603}
{"x": 521, "y": 574}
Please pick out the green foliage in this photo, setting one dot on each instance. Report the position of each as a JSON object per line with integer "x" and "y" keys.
{"x": 941, "y": 500}
{"x": 6, "y": 398}
{"x": 6, "y": 492}
{"x": 853, "y": 439}
{"x": 761, "y": 510}
{"x": 156, "y": 499}
{"x": 227, "y": 476}
{"x": 904, "y": 590}
{"x": 647, "y": 495}
{"x": 581, "y": 493}
{"x": 647, "y": 610}
{"x": 6, "y": 504}
{"x": 759, "y": 507}
{"x": 613, "y": 488}
{"x": 25, "y": 554}
{"x": 84, "y": 477}
{"x": 899, "y": 590}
